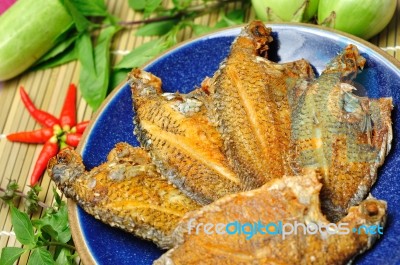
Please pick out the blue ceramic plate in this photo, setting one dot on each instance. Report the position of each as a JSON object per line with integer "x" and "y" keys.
{"x": 183, "y": 68}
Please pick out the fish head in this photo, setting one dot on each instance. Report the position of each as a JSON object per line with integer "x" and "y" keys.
{"x": 65, "y": 167}
{"x": 255, "y": 36}
{"x": 143, "y": 83}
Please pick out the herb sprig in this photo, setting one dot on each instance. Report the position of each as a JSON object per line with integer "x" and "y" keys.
{"x": 95, "y": 28}
{"x": 37, "y": 235}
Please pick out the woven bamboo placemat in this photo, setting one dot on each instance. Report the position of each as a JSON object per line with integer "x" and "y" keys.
{"x": 48, "y": 88}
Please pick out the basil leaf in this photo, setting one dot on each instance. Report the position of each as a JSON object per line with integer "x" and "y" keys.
{"x": 151, "y": 6}
{"x": 182, "y": 4}
{"x": 40, "y": 256}
{"x": 91, "y": 7}
{"x": 81, "y": 23}
{"x": 201, "y": 29}
{"x": 148, "y": 6}
{"x": 56, "y": 224}
{"x": 117, "y": 77}
{"x": 57, "y": 198}
{"x": 234, "y": 17}
{"x": 94, "y": 79}
{"x": 58, "y": 49}
{"x": 141, "y": 54}
{"x": 137, "y": 5}
{"x": 62, "y": 258}
{"x": 10, "y": 254}
{"x": 85, "y": 53}
{"x": 66, "y": 56}
{"x": 156, "y": 28}
{"x": 23, "y": 227}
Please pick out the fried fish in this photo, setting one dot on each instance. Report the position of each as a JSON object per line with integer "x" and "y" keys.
{"x": 250, "y": 103}
{"x": 184, "y": 145}
{"x": 251, "y": 125}
{"x": 126, "y": 192}
{"x": 342, "y": 137}
{"x": 287, "y": 203}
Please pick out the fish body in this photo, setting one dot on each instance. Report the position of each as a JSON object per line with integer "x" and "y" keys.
{"x": 342, "y": 137}
{"x": 287, "y": 203}
{"x": 125, "y": 192}
{"x": 230, "y": 145}
{"x": 250, "y": 103}
{"x": 185, "y": 147}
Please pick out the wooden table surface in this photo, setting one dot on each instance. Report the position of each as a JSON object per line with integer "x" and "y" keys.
{"x": 48, "y": 88}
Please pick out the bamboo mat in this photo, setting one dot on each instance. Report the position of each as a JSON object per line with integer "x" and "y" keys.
{"x": 48, "y": 88}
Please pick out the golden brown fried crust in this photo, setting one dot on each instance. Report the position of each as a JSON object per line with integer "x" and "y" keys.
{"x": 249, "y": 99}
{"x": 286, "y": 200}
{"x": 184, "y": 145}
{"x": 125, "y": 192}
{"x": 342, "y": 137}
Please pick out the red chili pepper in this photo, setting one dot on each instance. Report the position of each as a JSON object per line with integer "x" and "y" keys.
{"x": 68, "y": 112}
{"x": 42, "y": 117}
{"x": 50, "y": 149}
{"x": 35, "y": 137}
{"x": 80, "y": 127}
{"x": 72, "y": 139}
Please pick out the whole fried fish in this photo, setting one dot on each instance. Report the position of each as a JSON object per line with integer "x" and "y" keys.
{"x": 342, "y": 137}
{"x": 250, "y": 103}
{"x": 126, "y": 192}
{"x": 184, "y": 145}
{"x": 276, "y": 205}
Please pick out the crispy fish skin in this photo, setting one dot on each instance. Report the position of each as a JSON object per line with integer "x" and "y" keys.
{"x": 185, "y": 147}
{"x": 342, "y": 137}
{"x": 125, "y": 192}
{"x": 249, "y": 100}
{"x": 287, "y": 200}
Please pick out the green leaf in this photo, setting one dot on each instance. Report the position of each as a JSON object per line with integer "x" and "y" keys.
{"x": 23, "y": 227}
{"x": 117, "y": 77}
{"x": 201, "y": 29}
{"x": 32, "y": 199}
{"x": 56, "y": 224}
{"x": 147, "y": 6}
{"x": 9, "y": 193}
{"x": 66, "y": 56}
{"x": 85, "y": 53}
{"x": 142, "y": 54}
{"x": 10, "y": 254}
{"x": 151, "y": 6}
{"x": 58, "y": 49}
{"x": 81, "y": 23}
{"x": 40, "y": 256}
{"x": 64, "y": 257}
{"x": 137, "y": 5}
{"x": 94, "y": 79}
{"x": 235, "y": 17}
{"x": 156, "y": 28}
{"x": 91, "y": 7}
{"x": 182, "y": 4}
{"x": 57, "y": 197}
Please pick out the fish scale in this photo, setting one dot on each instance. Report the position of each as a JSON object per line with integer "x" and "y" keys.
{"x": 249, "y": 96}
{"x": 327, "y": 113}
{"x": 289, "y": 200}
{"x": 143, "y": 203}
{"x": 190, "y": 157}
{"x": 253, "y": 122}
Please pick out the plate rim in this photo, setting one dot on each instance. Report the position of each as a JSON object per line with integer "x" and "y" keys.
{"x": 77, "y": 234}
